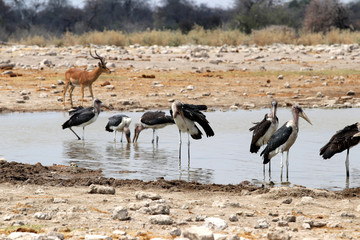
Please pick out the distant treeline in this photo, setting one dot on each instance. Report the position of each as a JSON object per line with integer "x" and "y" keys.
{"x": 24, "y": 19}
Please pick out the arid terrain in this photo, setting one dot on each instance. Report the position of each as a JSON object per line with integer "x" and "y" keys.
{"x": 152, "y": 77}
{"x": 53, "y": 202}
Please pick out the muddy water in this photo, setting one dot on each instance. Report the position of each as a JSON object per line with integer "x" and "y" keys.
{"x": 225, "y": 158}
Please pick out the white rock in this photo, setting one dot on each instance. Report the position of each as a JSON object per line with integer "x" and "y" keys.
{"x": 101, "y": 189}
{"x": 22, "y": 236}
{"x": 215, "y": 223}
{"x": 147, "y": 195}
{"x": 161, "y": 220}
{"x": 42, "y": 216}
{"x": 120, "y": 213}
{"x": 198, "y": 233}
{"x": 97, "y": 237}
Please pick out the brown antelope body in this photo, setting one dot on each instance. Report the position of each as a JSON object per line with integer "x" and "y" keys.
{"x": 76, "y": 77}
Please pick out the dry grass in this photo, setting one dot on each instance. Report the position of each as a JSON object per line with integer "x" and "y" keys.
{"x": 198, "y": 36}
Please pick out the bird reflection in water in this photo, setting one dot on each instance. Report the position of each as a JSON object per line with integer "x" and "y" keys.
{"x": 118, "y": 150}
{"x": 87, "y": 153}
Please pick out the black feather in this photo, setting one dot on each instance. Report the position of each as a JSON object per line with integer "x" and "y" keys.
{"x": 276, "y": 140}
{"x": 342, "y": 140}
{"x": 259, "y": 130}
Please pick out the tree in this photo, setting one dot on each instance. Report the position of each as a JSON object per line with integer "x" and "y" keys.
{"x": 322, "y": 15}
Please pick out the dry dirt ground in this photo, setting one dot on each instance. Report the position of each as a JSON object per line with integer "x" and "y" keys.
{"x": 60, "y": 194}
{"x": 151, "y": 78}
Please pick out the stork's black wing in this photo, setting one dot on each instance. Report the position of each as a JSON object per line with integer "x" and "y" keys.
{"x": 78, "y": 119}
{"x": 276, "y": 140}
{"x": 343, "y": 139}
{"x": 200, "y": 118}
{"x": 195, "y": 107}
{"x": 259, "y": 130}
{"x": 114, "y": 121}
{"x": 154, "y": 118}
{"x": 74, "y": 110}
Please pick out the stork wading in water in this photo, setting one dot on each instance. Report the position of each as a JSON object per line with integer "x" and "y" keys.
{"x": 81, "y": 117}
{"x": 154, "y": 120}
{"x": 282, "y": 140}
{"x": 119, "y": 123}
{"x": 75, "y": 77}
{"x": 343, "y": 139}
{"x": 185, "y": 117}
{"x": 262, "y": 131}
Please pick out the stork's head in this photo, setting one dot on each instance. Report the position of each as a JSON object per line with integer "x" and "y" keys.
{"x": 138, "y": 128}
{"x": 127, "y": 134}
{"x": 274, "y": 104}
{"x": 297, "y": 110}
{"x": 177, "y": 108}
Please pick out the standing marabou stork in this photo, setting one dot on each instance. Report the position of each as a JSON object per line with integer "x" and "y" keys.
{"x": 282, "y": 140}
{"x": 263, "y": 130}
{"x": 154, "y": 120}
{"x": 185, "y": 117}
{"x": 119, "y": 123}
{"x": 82, "y": 117}
{"x": 343, "y": 139}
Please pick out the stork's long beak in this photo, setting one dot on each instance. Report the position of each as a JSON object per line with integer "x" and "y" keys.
{"x": 128, "y": 138}
{"x": 356, "y": 135}
{"x": 303, "y": 115}
{"x": 136, "y": 136}
{"x": 103, "y": 105}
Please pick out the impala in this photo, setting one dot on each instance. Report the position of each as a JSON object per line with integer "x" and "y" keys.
{"x": 76, "y": 77}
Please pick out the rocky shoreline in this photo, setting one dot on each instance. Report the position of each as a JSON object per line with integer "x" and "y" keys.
{"x": 59, "y": 202}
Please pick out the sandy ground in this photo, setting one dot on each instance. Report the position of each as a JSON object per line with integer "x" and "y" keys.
{"x": 49, "y": 200}
{"x": 151, "y": 78}
{"x": 56, "y": 199}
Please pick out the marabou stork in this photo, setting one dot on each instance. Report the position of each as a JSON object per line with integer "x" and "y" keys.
{"x": 119, "y": 123}
{"x": 185, "y": 117}
{"x": 154, "y": 120}
{"x": 282, "y": 140}
{"x": 82, "y": 117}
{"x": 343, "y": 139}
{"x": 263, "y": 130}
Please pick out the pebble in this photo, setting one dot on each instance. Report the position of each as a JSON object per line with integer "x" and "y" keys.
{"x": 42, "y": 216}
{"x": 159, "y": 209}
{"x": 161, "y": 220}
{"x": 215, "y": 223}
{"x": 100, "y": 189}
{"x": 120, "y": 213}
{"x": 97, "y": 237}
{"x": 147, "y": 195}
{"x": 198, "y": 233}
{"x": 261, "y": 224}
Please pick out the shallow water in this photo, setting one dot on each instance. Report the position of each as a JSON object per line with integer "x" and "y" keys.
{"x": 224, "y": 158}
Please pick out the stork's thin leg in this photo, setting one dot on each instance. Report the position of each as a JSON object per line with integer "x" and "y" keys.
{"x": 270, "y": 171}
{"x": 115, "y": 136}
{"x": 281, "y": 167}
{"x": 180, "y": 148}
{"x": 75, "y": 133}
{"x": 287, "y": 166}
{"x": 347, "y": 164}
{"x": 188, "y": 150}
{"x": 153, "y": 136}
{"x": 157, "y": 137}
{"x": 264, "y": 172}
{"x": 83, "y": 133}
{"x": 122, "y": 134}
